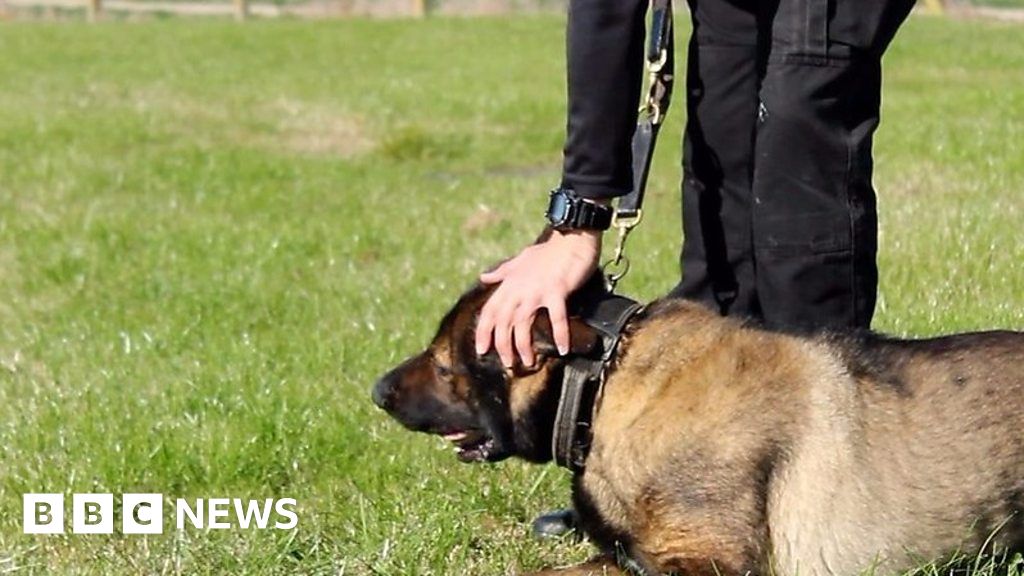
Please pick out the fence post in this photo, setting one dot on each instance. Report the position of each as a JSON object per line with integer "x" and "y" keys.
{"x": 419, "y": 8}
{"x": 93, "y": 10}
{"x": 935, "y": 6}
{"x": 241, "y": 10}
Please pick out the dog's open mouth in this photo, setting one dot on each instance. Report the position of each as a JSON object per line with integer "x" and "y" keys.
{"x": 470, "y": 445}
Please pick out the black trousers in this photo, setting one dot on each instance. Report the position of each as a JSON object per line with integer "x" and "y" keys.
{"x": 779, "y": 212}
{"x": 783, "y": 97}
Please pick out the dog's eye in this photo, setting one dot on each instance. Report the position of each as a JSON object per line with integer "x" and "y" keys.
{"x": 443, "y": 371}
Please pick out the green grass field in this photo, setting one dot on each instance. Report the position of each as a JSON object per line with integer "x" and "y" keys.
{"x": 1015, "y": 4}
{"x": 213, "y": 238}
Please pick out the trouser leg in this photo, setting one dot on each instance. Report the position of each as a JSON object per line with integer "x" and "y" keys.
{"x": 722, "y": 97}
{"x": 814, "y": 218}
{"x": 813, "y": 214}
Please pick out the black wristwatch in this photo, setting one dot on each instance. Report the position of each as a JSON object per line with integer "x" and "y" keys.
{"x": 568, "y": 211}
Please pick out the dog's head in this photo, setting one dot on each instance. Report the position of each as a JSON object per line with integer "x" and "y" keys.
{"x": 487, "y": 411}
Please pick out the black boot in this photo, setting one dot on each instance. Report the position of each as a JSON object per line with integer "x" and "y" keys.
{"x": 555, "y": 524}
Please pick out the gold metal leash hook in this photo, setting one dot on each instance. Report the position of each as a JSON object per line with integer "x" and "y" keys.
{"x": 614, "y": 270}
{"x": 650, "y": 106}
{"x": 627, "y": 223}
{"x": 655, "y": 66}
{"x": 654, "y": 111}
{"x": 620, "y": 245}
{"x": 618, "y": 266}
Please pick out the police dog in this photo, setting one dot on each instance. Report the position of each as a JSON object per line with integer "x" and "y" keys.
{"x": 722, "y": 448}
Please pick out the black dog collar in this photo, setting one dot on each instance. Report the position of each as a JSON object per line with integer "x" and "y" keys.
{"x": 583, "y": 377}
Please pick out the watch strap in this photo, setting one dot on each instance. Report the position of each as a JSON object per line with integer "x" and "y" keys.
{"x": 581, "y": 214}
{"x": 591, "y": 216}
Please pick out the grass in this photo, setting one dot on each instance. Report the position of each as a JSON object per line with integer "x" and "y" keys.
{"x": 214, "y": 237}
{"x": 1016, "y": 4}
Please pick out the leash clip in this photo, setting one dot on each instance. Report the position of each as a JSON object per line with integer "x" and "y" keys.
{"x": 655, "y": 88}
{"x": 617, "y": 267}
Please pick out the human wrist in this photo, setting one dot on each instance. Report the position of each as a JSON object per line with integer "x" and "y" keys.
{"x": 579, "y": 239}
{"x": 579, "y": 234}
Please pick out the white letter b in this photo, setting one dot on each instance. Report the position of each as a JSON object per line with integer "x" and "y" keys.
{"x": 92, "y": 513}
{"x": 43, "y": 513}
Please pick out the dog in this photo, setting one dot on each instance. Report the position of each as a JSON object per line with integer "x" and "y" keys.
{"x": 719, "y": 447}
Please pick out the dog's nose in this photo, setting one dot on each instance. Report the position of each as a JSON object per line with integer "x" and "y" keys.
{"x": 382, "y": 393}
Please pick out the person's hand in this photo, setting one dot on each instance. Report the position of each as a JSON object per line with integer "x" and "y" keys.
{"x": 541, "y": 276}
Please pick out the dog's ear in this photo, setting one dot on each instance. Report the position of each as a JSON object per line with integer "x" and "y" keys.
{"x": 582, "y": 338}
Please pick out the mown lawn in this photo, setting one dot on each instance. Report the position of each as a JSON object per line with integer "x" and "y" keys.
{"x": 214, "y": 237}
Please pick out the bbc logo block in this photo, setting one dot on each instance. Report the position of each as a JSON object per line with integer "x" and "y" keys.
{"x": 92, "y": 513}
{"x": 43, "y": 513}
{"x": 144, "y": 513}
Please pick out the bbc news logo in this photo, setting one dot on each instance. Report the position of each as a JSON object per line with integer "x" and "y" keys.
{"x": 144, "y": 513}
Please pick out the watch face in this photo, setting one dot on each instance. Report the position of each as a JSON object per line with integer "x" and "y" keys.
{"x": 558, "y": 209}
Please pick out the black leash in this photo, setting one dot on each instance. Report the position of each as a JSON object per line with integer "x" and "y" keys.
{"x": 661, "y": 76}
{"x": 602, "y": 310}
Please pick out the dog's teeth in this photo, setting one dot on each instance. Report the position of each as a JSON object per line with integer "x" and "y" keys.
{"x": 455, "y": 437}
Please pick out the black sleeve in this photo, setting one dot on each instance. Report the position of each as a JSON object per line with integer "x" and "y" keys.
{"x": 605, "y": 45}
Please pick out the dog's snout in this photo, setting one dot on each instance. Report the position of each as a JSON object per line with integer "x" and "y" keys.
{"x": 383, "y": 392}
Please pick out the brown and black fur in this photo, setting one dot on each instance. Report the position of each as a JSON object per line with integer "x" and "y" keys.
{"x": 722, "y": 448}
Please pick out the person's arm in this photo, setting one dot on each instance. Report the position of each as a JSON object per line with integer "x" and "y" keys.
{"x": 605, "y": 61}
{"x": 605, "y": 49}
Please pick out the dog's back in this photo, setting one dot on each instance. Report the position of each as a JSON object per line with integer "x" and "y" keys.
{"x": 808, "y": 456}
{"x": 918, "y": 452}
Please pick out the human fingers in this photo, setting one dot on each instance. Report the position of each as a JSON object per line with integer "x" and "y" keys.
{"x": 522, "y": 331}
{"x": 503, "y": 336}
{"x": 559, "y": 323}
{"x": 485, "y": 326}
{"x": 498, "y": 273}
